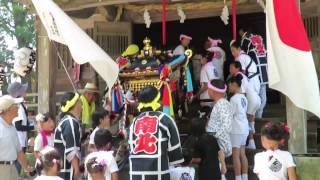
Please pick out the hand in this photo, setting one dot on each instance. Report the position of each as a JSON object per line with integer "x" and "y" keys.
{"x": 29, "y": 171}
{"x": 76, "y": 174}
{"x": 223, "y": 168}
{"x": 190, "y": 99}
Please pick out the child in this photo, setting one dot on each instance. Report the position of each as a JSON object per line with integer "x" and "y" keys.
{"x": 208, "y": 73}
{"x": 96, "y": 167}
{"x": 100, "y": 120}
{"x": 44, "y": 138}
{"x": 207, "y": 152}
{"x": 102, "y": 141}
{"x": 183, "y": 172}
{"x": 240, "y": 129}
{"x": 249, "y": 67}
{"x": 274, "y": 163}
{"x": 46, "y": 134}
{"x": 51, "y": 164}
{"x": 252, "y": 96}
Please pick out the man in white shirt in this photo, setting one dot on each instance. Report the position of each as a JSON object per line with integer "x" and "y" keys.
{"x": 9, "y": 142}
{"x": 185, "y": 41}
{"x": 21, "y": 122}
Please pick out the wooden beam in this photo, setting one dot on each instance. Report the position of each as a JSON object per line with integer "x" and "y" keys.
{"x": 84, "y": 4}
{"x": 193, "y": 14}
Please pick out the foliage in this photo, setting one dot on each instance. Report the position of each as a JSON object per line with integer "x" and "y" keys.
{"x": 18, "y": 25}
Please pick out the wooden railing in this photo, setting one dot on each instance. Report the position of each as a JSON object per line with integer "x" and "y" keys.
{"x": 32, "y": 100}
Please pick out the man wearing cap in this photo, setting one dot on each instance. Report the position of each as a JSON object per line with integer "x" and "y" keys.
{"x": 88, "y": 103}
{"x": 185, "y": 41}
{"x": 9, "y": 141}
{"x": 154, "y": 140}
{"x": 21, "y": 122}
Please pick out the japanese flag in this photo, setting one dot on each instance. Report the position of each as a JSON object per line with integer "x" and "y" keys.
{"x": 291, "y": 67}
{"x": 61, "y": 28}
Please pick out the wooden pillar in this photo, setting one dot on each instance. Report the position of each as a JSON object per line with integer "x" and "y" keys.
{"x": 297, "y": 122}
{"x": 46, "y": 72}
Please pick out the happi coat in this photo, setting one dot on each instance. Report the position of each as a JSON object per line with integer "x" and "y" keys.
{"x": 252, "y": 45}
{"x": 154, "y": 144}
{"x": 67, "y": 142}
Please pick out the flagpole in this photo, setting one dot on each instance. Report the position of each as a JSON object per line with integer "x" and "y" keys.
{"x": 297, "y": 122}
{"x": 64, "y": 67}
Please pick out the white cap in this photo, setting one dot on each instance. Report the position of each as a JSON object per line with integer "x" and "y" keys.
{"x": 7, "y": 101}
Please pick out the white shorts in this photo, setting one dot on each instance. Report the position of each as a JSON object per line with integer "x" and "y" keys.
{"x": 254, "y": 103}
{"x": 238, "y": 140}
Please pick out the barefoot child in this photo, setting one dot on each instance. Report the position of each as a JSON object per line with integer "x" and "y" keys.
{"x": 51, "y": 164}
{"x": 274, "y": 163}
{"x": 240, "y": 129}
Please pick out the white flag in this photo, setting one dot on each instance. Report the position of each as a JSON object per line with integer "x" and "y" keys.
{"x": 290, "y": 62}
{"x": 61, "y": 28}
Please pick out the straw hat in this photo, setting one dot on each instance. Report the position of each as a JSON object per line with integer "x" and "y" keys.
{"x": 90, "y": 87}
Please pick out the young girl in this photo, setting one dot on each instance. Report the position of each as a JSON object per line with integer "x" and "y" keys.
{"x": 207, "y": 152}
{"x": 44, "y": 138}
{"x": 274, "y": 163}
{"x": 108, "y": 170}
{"x": 96, "y": 167}
{"x": 100, "y": 120}
{"x": 46, "y": 134}
{"x": 252, "y": 96}
{"x": 51, "y": 164}
{"x": 208, "y": 73}
{"x": 240, "y": 129}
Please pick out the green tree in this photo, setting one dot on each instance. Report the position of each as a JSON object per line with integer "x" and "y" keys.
{"x": 18, "y": 24}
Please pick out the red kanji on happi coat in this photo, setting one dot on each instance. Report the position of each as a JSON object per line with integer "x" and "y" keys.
{"x": 258, "y": 43}
{"x": 144, "y": 129}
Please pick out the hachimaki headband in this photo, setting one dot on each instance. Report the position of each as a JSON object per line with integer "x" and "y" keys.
{"x": 154, "y": 104}
{"x": 69, "y": 104}
{"x": 216, "y": 89}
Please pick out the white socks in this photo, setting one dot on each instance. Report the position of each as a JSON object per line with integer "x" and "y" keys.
{"x": 238, "y": 178}
{"x": 252, "y": 144}
{"x": 251, "y": 127}
{"x": 244, "y": 176}
{"x": 223, "y": 177}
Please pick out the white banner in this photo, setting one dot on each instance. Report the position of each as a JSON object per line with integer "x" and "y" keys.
{"x": 61, "y": 28}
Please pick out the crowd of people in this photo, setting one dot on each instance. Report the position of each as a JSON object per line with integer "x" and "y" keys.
{"x": 154, "y": 147}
